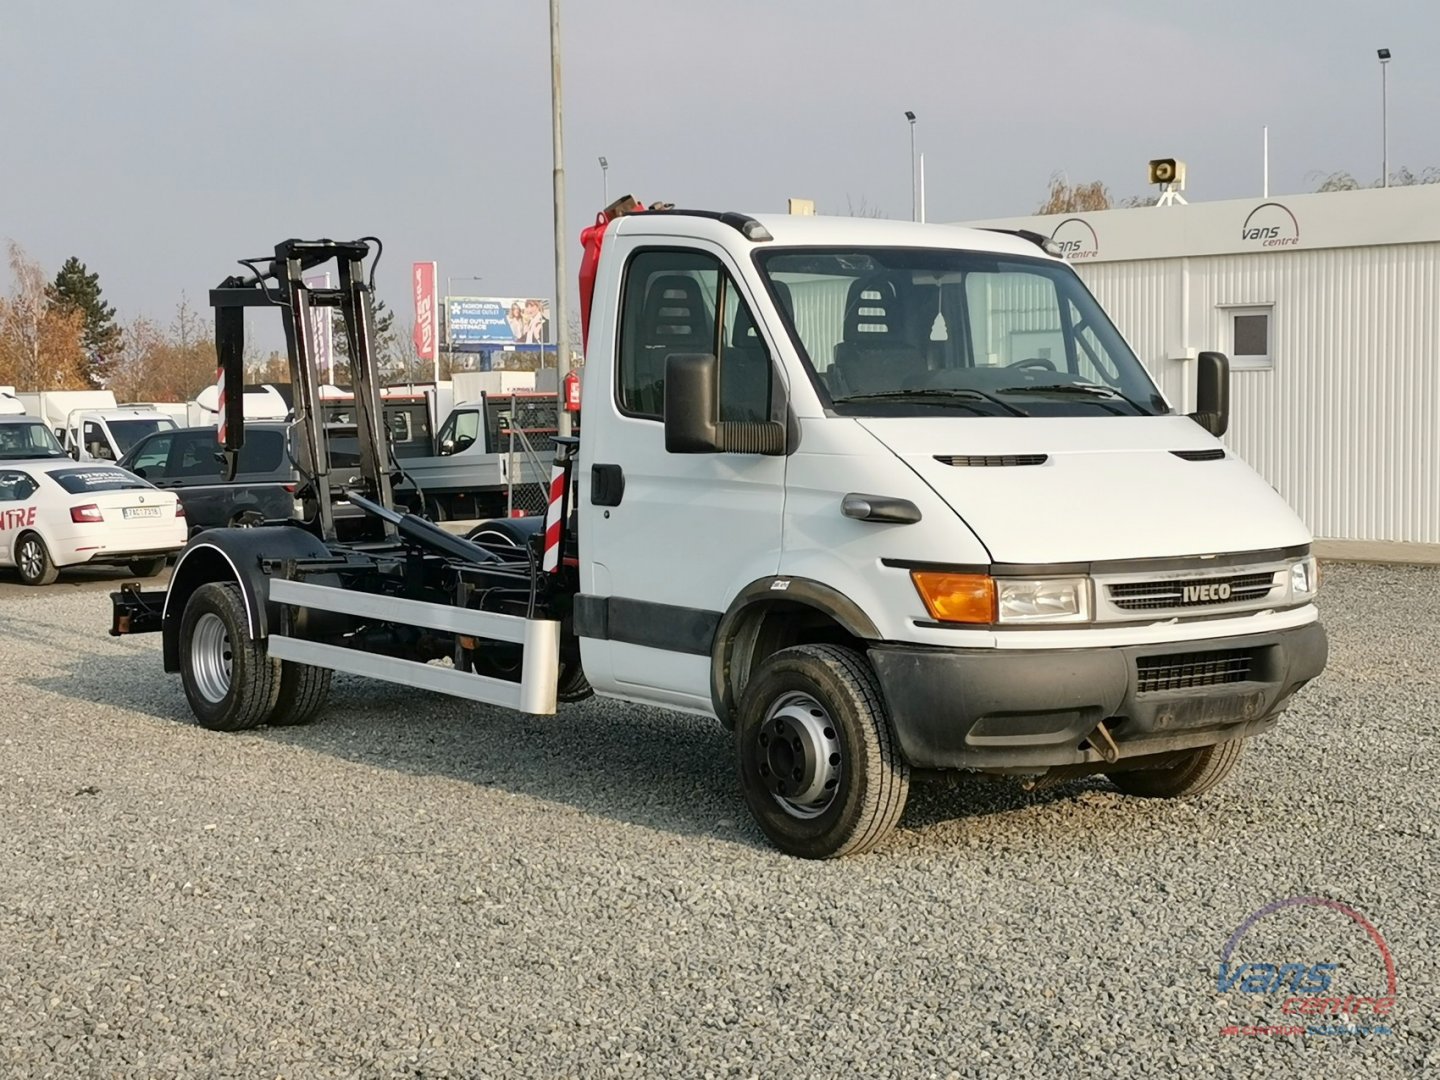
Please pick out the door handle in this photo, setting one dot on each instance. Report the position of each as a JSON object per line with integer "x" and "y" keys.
{"x": 607, "y": 485}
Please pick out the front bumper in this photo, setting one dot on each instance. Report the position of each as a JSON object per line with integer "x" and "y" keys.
{"x": 1018, "y": 710}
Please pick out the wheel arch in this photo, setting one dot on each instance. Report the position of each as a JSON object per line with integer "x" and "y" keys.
{"x": 232, "y": 555}
{"x": 774, "y": 613}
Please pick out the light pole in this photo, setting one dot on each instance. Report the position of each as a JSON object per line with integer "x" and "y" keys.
{"x": 1384, "y": 55}
{"x": 605, "y": 178}
{"x": 914, "y": 204}
{"x": 562, "y": 281}
{"x": 449, "y": 292}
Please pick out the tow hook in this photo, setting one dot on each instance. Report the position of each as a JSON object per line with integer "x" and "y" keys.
{"x": 1104, "y": 744}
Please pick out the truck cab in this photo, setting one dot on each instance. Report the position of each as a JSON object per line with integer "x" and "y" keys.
{"x": 918, "y": 465}
{"x": 109, "y": 434}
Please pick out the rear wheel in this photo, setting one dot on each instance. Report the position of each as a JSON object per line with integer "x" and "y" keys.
{"x": 819, "y": 763}
{"x": 1193, "y": 774}
{"x": 33, "y": 561}
{"x": 230, "y": 680}
{"x": 302, "y": 693}
{"x": 147, "y": 567}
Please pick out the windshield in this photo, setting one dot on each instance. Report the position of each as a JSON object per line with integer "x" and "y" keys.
{"x": 911, "y": 331}
{"x": 128, "y": 432}
{"x": 27, "y": 439}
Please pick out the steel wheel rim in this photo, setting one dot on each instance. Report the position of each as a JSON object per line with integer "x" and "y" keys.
{"x": 799, "y": 756}
{"x": 31, "y": 558}
{"x": 211, "y": 657}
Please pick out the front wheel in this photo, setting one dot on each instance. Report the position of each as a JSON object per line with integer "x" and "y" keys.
{"x": 230, "y": 680}
{"x": 1193, "y": 774}
{"x": 32, "y": 559}
{"x": 819, "y": 763}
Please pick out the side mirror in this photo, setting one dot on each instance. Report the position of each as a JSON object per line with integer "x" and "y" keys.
{"x": 1212, "y": 393}
{"x": 139, "y": 471}
{"x": 692, "y": 410}
{"x": 447, "y": 447}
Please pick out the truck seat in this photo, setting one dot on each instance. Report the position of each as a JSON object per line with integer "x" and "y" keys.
{"x": 745, "y": 372}
{"x": 874, "y": 354}
{"x": 674, "y": 319}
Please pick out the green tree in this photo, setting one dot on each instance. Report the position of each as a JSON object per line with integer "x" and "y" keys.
{"x": 384, "y": 323}
{"x": 76, "y": 291}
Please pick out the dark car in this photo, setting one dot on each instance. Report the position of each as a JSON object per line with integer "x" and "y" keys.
{"x": 186, "y": 461}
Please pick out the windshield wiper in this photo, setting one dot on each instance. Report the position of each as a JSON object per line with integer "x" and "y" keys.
{"x": 932, "y": 392}
{"x": 1077, "y": 388}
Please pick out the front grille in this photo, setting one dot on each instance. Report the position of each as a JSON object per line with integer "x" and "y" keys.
{"x": 1191, "y": 593}
{"x": 1185, "y": 671}
{"x": 992, "y": 460}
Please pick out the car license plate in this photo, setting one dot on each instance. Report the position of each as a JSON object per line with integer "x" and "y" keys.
{"x": 142, "y": 511}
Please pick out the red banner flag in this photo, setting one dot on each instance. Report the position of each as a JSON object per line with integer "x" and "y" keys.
{"x": 426, "y": 312}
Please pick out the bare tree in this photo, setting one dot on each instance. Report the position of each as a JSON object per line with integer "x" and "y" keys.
{"x": 171, "y": 363}
{"x": 1064, "y": 197}
{"x": 1404, "y": 176}
{"x": 40, "y": 343}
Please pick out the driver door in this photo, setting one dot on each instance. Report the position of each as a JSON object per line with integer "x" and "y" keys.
{"x": 668, "y": 539}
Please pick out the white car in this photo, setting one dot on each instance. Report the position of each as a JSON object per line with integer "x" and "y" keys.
{"x": 55, "y": 513}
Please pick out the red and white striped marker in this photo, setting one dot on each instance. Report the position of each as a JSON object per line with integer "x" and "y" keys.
{"x": 551, "y": 562}
{"x": 221, "y": 429}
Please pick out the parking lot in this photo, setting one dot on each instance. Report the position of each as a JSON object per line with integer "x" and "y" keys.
{"x": 419, "y": 886}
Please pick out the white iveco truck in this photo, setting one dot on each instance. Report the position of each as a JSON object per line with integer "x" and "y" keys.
{"x": 885, "y": 499}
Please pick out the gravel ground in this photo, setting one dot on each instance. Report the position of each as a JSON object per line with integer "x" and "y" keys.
{"x": 420, "y": 887}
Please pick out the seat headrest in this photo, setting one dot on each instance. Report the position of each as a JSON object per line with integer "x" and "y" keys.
{"x": 872, "y": 310}
{"x": 675, "y": 312}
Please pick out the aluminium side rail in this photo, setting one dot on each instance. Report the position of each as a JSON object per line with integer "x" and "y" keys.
{"x": 540, "y": 638}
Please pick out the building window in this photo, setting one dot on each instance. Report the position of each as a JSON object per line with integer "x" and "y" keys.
{"x": 1252, "y": 345}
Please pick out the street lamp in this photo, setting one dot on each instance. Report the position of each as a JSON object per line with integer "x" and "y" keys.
{"x": 605, "y": 178}
{"x": 1384, "y": 55}
{"x": 914, "y": 204}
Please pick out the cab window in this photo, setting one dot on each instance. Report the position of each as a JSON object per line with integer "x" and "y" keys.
{"x": 96, "y": 444}
{"x": 194, "y": 455}
{"x": 152, "y": 456}
{"x": 679, "y": 302}
{"x": 460, "y": 431}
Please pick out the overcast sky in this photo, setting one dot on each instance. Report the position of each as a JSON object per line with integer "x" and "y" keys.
{"x": 159, "y": 141}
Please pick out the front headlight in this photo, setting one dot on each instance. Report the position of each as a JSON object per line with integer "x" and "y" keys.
{"x": 981, "y": 600}
{"x": 1304, "y": 578}
{"x": 1042, "y": 600}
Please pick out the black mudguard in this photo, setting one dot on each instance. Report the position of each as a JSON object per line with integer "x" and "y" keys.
{"x": 233, "y": 555}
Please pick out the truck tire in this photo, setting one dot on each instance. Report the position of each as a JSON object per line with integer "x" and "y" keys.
{"x": 230, "y": 680}
{"x": 32, "y": 560}
{"x": 819, "y": 764}
{"x": 147, "y": 567}
{"x": 1196, "y": 772}
{"x": 572, "y": 685}
{"x": 302, "y": 693}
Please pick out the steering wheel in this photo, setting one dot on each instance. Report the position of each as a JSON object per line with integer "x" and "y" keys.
{"x": 1034, "y": 362}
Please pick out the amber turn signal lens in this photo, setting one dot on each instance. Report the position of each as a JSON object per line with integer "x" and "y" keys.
{"x": 959, "y": 598}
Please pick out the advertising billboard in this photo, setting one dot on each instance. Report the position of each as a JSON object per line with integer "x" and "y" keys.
{"x": 497, "y": 321}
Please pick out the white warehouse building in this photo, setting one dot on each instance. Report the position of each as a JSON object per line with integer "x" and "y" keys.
{"x": 1328, "y": 306}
